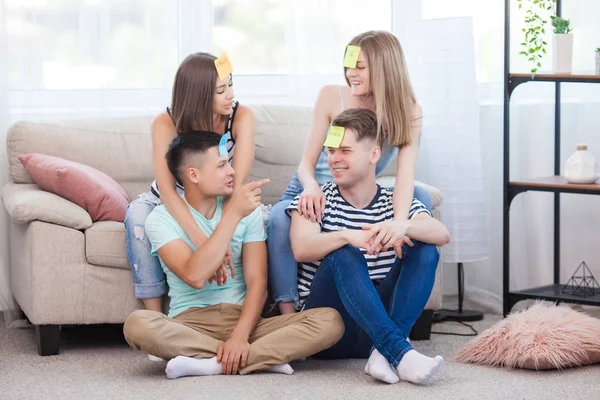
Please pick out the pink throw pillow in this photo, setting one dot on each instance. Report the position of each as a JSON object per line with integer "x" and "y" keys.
{"x": 99, "y": 194}
{"x": 542, "y": 337}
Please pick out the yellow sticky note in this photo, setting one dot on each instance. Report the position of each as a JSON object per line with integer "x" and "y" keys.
{"x": 223, "y": 66}
{"x": 351, "y": 56}
{"x": 334, "y": 137}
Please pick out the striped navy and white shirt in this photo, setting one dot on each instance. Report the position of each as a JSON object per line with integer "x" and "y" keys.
{"x": 230, "y": 146}
{"x": 340, "y": 215}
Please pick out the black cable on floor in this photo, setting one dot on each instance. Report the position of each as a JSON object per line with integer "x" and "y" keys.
{"x": 473, "y": 330}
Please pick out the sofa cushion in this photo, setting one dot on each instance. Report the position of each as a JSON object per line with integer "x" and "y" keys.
{"x": 105, "y": 244}
{"x": 280, "y": 133}
{"x": 85, "y": 186}
{"x": 119, "y": 147}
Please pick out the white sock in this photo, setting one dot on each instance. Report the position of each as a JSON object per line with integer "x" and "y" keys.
{"x": 154, "y": 358}
{"x": 188, "y": 366}
{"x": 380, "y": 368}
{"x": 281, "y": 369}
{"x": 416, "y": 368}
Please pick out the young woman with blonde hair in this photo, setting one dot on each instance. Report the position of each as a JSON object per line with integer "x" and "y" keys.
{"x": 201, "y": 101}
{"x": 379, "y": 82}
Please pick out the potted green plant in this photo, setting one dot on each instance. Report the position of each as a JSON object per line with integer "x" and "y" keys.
{"x": 562, "y": 49}
{"x": 537, "y": 15}
{"x": 598, "y": 61}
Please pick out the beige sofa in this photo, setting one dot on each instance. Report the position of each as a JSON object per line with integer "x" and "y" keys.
{"x": 66, "y": 269}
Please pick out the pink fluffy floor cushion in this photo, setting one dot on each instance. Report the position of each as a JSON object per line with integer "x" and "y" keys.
{"x": 545, "y": 336}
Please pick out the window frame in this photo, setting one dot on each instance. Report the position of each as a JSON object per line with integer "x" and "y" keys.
{"x": 195, "y": 23}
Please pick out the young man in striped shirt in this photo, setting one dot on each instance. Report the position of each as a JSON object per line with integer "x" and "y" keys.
{"x": 354, "y": 259}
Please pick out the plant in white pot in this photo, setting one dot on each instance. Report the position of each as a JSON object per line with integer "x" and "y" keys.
{"x": 537, "y": 14}
{"x": 562, "y": 49}
{"x": 598, "y": 61}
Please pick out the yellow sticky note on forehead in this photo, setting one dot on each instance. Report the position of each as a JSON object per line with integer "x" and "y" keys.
{"x": 334, "y": 137}
{"x": 223, "y": 66}
{"x": 351, "y": 56}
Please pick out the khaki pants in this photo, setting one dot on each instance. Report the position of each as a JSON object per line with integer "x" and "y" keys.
{"x": 198, "y": 332}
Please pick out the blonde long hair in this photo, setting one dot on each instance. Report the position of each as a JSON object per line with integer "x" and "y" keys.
{"x": 390, "y": 85}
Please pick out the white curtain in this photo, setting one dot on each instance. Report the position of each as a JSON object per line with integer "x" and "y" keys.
{"x": 451, "y": 160}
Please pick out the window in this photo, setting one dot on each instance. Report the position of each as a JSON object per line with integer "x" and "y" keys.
{"x": 118, "y": 57}
{"x": 488, "y": 27}
{"x": 265, "y": 37}
{"x": 92, "y": 44}
{"x": 134, "y": 44}
{"x": 253, "y": 33}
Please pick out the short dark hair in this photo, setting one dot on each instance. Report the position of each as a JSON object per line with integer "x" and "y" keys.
{"x": 361, "y": 121}
{"x": 188, "y": 144}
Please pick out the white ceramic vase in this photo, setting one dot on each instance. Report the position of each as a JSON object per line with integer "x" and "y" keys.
{"x": 598, "y": 63}
{"x": 581, "y": 167}
{"x": 562, "y": 53}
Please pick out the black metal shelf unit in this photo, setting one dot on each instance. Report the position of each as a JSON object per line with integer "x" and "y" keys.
{"x": 554, "y": 184}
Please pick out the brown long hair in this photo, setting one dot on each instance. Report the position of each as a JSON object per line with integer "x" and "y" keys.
{"x": 390, "y": 85}
{"x": 193, "y": 92}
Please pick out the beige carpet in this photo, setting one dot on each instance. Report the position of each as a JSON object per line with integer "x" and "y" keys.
{"x": 96, "y": 363}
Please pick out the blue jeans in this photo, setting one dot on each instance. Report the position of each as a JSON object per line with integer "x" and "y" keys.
{"x": 379, "y": 316}
{"x": 283, "y": 268}
{"x": 148, "y": 276}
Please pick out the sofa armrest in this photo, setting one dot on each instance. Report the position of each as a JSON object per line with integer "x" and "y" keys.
{"x": 27, "y": 202}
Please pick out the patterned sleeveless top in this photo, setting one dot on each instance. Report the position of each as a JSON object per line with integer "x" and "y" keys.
{"x": 230, "y": 145}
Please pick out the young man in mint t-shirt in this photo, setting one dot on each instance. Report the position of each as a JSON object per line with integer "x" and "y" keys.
{"x": 215, "y": 329}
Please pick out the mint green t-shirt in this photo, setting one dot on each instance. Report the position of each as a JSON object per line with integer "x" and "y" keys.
{"x": 162, "y": 228}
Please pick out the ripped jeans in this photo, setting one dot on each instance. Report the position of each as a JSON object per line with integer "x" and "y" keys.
{"x": 148, "y": 276}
